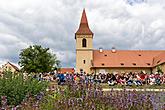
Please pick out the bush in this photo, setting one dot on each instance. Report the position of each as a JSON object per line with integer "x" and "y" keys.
{"x": 16, "y": 88}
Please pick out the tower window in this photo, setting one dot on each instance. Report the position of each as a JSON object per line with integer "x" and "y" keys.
{"x": 84, "y": 43}
{"x": 84, "y": 61}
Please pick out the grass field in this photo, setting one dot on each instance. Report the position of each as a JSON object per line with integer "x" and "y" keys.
{"x": 105, "y": 85}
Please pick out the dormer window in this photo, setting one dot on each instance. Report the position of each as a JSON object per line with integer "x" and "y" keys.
{"x": 84, "y": 43}
{"x": 134, "y": 64}
{"x": 148, "y": 64}
{"x": 158, "y": 61}
{"x": 122, "y": 64}
{"x": 102, "y": 64}
{"x": 105, "y": 55}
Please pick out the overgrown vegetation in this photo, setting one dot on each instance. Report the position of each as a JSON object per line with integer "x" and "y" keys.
{"x": 159, "y": 69}
{"x": 84, "y": 96}
{"x": 16, "y": 87}
{"x": 89, "y": 96}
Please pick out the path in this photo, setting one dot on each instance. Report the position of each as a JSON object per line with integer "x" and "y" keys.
{"x": 120, "y": 89}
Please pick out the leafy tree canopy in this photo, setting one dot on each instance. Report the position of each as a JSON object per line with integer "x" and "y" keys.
{"x": 38, "y": 60}
{"x": 159, "y": 69}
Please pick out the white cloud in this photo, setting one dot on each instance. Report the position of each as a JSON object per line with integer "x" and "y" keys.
{"x": 2, "y": 62}
{"x": 52, "y": 23}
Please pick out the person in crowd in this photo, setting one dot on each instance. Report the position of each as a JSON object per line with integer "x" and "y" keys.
{"x": 112, "y": 80}
{"x": 129, "y": 79}
{"x": 61, "y": 78}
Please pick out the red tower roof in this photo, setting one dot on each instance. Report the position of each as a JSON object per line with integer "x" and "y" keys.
{"x": 84, "y": 27}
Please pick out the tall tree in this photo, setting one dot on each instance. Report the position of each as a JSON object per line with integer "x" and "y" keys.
{"x": 38, "y": 60}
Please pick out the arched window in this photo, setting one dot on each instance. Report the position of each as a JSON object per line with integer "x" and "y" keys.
{"x": 84, "y": 43}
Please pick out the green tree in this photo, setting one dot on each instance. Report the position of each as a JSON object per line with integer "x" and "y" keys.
{"x": 159, "y": 69}
{"x": 38, "y": 60}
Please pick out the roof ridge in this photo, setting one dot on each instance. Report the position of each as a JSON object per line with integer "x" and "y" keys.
{"x": 15, "y": 67}
{"x": 128, "y": 50}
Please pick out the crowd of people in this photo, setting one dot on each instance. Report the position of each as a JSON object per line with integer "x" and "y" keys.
{"x": 131, "y": 78}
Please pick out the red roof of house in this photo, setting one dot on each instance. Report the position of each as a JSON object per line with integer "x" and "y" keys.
{"x": 15, "y": 67}
{"x": 127, "y": 58}
{"x": 66, "y": 70}
{"x": 84, "y": 27}
{"x": 159, "y": 59}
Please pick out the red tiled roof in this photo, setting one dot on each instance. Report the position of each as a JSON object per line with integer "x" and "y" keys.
{"x": 66, "y": 70}
{"x": 159, "y": 59}
{"x": 84, "y": 27}
{"x": 126, "y": 58}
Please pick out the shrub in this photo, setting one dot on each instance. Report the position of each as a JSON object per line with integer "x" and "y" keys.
{"x": 16, "y": 88}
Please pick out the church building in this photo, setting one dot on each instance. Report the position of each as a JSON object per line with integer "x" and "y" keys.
{"x": 90, "y": 60}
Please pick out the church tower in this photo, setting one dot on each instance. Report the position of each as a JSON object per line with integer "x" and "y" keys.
{"x": 84, "y": 46}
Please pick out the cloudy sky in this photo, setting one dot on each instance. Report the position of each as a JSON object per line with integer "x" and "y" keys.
{"x": 131, "y": 24}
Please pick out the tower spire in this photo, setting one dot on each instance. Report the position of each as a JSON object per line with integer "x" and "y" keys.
{"x": 84, "y": 18}
{"x": 84, "y": 27}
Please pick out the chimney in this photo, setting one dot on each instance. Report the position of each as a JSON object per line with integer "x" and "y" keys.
{"x": 113, "y": 50}
{"x": 100, "y": 49}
